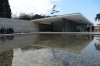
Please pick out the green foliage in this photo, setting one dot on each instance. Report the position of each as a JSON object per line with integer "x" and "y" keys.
{"x": 5, "y": 10}
{"x": 24, "y": 16}
{"x": 97, "y": 17}
{"x": 31, "y": 16}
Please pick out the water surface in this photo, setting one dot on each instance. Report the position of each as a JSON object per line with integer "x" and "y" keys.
{"x": 50, "y": 50}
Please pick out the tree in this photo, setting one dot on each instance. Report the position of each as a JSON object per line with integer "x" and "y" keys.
{"x": 36, "y": 16}
{"x": 97, "y": 17}
{"x": 2, "y": 8}
{"x": 24, "y": 16}
{"x": 31, "y": 16}
{"x": 5, "y": 10}
{"x": 54, "y": 11}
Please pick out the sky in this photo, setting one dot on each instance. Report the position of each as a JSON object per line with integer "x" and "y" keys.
{"x": 88, "y": 8}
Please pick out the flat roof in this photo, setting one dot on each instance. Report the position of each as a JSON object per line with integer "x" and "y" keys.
{"x": 76, "y": 17}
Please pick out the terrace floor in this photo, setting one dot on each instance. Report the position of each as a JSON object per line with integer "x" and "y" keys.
{"x": 76, "y": 33}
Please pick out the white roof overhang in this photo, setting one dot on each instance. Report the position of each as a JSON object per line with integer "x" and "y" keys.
{"x": 76, "y": 17}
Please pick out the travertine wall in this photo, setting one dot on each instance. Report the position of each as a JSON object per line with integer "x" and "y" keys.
{"x": 19, "y": 25}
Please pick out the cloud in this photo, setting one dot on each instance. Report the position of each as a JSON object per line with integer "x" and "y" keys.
{"x": 31, "y": 6}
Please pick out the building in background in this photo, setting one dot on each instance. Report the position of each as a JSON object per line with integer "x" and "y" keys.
{"x": 97, "y": 28}
{"x": 75, "y": 22}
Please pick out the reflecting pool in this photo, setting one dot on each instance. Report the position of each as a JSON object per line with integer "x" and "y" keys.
{"x": 50, "y": 50}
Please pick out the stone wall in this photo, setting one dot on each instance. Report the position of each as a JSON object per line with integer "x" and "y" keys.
{"x": 19, "y": 25}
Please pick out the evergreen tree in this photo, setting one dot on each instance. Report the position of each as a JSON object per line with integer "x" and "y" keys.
{"x": 2, "y": 8}
{"x": 5, "y": 10}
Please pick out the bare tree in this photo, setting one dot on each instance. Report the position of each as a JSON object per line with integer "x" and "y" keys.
{"x": 54, "y": 11}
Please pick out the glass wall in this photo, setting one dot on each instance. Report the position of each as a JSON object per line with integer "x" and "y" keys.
{"x": 80, "y": 27}
{"x": 57, "y": 27}
{"x": 44, "y": 27}
{"x": 63, "y": 26}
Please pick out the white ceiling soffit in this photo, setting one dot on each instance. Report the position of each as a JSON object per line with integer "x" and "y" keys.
{"x": 76, "y": 17}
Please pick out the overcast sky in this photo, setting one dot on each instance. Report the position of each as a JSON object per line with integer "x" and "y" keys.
{"x": 88, "y": 8}
{"x": 31, "y": 6}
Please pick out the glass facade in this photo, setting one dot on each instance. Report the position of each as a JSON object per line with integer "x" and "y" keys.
{"x": 63, "y": 26}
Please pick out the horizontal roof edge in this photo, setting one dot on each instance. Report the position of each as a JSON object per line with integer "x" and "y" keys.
{"x": 63, "y": 16}
{"x": 85, "y": 18}
{"x": 56, "y": 16}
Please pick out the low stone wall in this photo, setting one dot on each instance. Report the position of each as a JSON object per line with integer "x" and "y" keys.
{"x": 19, "y": 25}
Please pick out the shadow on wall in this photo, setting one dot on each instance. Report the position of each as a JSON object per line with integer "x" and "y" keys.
{"x": 4, "y": 38}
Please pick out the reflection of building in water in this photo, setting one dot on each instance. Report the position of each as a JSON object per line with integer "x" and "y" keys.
{"x": 97, "y": 36}
{"x": 6, "y": 58}
{"x": 73, "y": 43}
{"x": 16, "y": 41}
{"x": 4, "y": 38}
{"x": 30, "y": 47}
{"x": 97, "y": 46}
{"x": 10, "y": 37}
{"x": 6, "y": 48}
